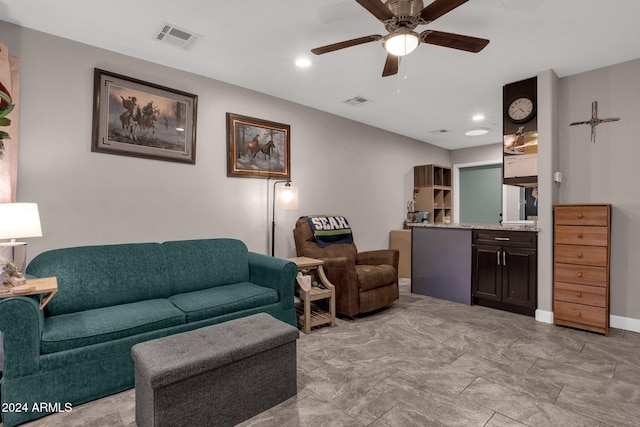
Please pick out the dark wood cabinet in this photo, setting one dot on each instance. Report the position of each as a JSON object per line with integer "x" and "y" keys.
{"x": 504, "y": 270}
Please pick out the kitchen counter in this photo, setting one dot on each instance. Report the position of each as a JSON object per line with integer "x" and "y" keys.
{"x": 498, "y": 227}
{"x": 445, "y": 258}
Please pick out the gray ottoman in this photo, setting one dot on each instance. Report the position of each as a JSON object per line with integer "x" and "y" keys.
{"x": 215, "y": 376}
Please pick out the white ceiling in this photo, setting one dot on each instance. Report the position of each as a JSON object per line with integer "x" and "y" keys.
{"x": 253, "y": 44}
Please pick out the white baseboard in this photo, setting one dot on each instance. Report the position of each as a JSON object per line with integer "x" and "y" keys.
{"x": 617, "y": 322}
{"x": 626, "y": 323}
{"x": 544, "y": 316}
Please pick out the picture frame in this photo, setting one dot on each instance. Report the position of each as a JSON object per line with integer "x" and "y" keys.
{"x": 257, "y": 148}
{"x": 135, "y": 118}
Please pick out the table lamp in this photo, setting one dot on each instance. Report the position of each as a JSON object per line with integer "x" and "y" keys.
{"x": 17, "y": 220}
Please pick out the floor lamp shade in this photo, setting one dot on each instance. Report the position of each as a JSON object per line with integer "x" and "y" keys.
{"x": 284, "y": 197}
{"x": 17, "y": 220}
{"x": 287, "y": 197}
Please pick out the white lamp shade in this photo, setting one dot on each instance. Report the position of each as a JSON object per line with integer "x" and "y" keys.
{"x": 19, "y": 220}
{"x": 402, "y": 43}
{"x": 287, "y": 197}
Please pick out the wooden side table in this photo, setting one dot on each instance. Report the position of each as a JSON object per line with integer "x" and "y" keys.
{"x": 309, "y": 314}
{"x": 48, "y": 286}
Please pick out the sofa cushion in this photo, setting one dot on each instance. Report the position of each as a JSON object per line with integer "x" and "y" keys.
{"x": 202, "y": 264}
{"x": 375, "y": 276}
{"x": 74, "y": 330}
{"x": 101, "y": 276}
{"x": 221, "y": 300}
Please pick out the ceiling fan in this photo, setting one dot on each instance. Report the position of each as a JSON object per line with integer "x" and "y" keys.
{"x": 400, "y": 18}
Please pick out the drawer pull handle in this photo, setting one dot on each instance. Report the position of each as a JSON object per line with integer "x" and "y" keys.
{"x": 578, "y": 314}
{"x": 579, "y": 274}
{"x": 502, "y": 239}
{"x": 579, "y": 235}
{"x": 580, "y": 216}
{"x": 579, "y": 294}
{"x": 579, "y": 254}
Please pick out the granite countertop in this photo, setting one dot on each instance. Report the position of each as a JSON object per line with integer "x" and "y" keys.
{"x": 509, "y": 227}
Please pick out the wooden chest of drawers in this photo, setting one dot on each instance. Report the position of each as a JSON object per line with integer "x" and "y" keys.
{"x": 582, "y": 242}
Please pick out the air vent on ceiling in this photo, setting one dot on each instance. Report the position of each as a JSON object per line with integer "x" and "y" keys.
{"x": 357, "y": 101}
{"x": 175, "y": 36}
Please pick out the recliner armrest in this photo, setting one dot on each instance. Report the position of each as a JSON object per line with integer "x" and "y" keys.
{"x": 379, "y": 257}
{"x": 342, "y": 274}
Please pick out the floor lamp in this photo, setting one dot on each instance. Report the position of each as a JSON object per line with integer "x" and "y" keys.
{"x": 283, "y": 198}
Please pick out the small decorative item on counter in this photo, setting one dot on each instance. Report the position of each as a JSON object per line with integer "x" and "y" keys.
{"x": 422, "y": 216}
{"x": 411, "y": 215}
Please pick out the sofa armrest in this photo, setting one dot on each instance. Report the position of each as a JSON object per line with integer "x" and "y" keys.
{"x": 379, "y": 257}
{"x": 275, "y": 273}
{"x": 342, "y": 274}
{"x": 21, "y": 323}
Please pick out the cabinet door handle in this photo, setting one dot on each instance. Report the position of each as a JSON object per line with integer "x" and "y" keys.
{"x": 504, "y": 258}
{"x": 498, "y": 257}
{"x": 502, "y": 239}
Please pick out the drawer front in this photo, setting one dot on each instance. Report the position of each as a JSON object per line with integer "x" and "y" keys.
{"x": 584, "y": 255}
{"x": 582, "y": 235}
{"x": 582, "y": 215}
{"x": 521, "y": 239}
{"x": 580, "y": 294}
{"x": 577, "y": 313}
{"x": 583, "y": 274}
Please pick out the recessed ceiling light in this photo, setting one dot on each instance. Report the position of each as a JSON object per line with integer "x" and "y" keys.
{"x": 478, "y": 118}
{"x": 477, "y": 132}
{"x": 303, "y": 62}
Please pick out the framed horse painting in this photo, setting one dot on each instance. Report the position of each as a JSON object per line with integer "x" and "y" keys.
{"x": 257, "y": 148}
{"x": 141, "y": 119}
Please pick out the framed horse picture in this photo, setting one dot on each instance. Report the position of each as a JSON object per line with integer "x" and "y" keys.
{"x": 141, "y": 119}
{"x": 257, "y": 148}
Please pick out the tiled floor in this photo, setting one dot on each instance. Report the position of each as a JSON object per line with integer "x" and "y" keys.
{"x": 429, "y": 362}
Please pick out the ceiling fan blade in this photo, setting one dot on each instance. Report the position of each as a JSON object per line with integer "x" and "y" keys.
{"x": 438, "y": 8}
{"x": 390, "y": 65}
{"x": 345, "y": 44}
{"x": 377, "y": 9}
{"x": 455, "y": 41}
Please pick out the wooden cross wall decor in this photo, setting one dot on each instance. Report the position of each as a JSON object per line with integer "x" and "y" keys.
{"x": 595, "y": 121}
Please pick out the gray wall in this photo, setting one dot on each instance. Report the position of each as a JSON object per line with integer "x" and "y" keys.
{"x": 483, "y": 153}
{"x": 607, "y": 171}
{"x": 86, "y": 198}
{"x": 340, "y": 166}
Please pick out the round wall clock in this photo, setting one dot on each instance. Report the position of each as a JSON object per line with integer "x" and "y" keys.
{"x": 521, "y": 109}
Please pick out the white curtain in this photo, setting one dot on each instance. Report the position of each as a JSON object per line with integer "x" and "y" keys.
{"x": 10, "y": 79}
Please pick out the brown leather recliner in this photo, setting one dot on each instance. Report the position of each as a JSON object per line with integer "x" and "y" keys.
{"x": 364, "y": 281}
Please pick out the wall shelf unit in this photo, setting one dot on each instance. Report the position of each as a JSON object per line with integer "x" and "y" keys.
{"x": 434, "y": 192}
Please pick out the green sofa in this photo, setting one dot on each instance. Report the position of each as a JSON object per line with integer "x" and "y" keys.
{"x": 114, "y": 296}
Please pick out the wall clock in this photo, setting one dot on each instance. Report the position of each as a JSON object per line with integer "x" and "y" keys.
{"x": 521, "y": 109}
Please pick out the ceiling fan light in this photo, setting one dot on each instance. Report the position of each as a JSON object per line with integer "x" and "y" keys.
{"x": 401, "y": 43}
